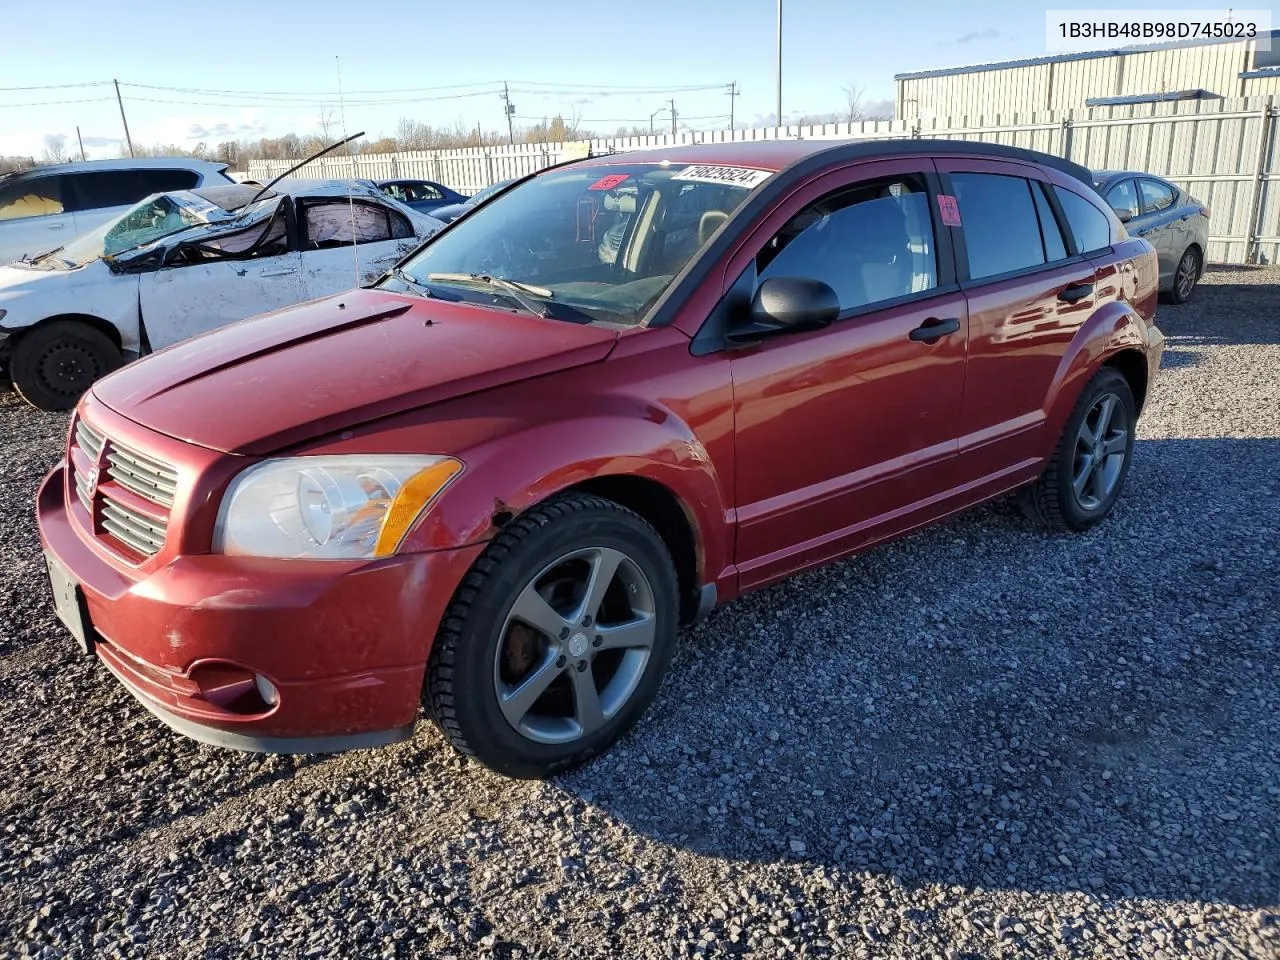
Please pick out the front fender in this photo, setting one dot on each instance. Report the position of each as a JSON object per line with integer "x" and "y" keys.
{"x": 510, "y": 473}
{"x": 1112, "y": 328}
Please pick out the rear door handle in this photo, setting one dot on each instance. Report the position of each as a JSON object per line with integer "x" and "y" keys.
{"x": 57, "y": 226}
{"x": 931, "y": 331}
{"x": 277, "y": 273}
{"x": 1077, "y": 291}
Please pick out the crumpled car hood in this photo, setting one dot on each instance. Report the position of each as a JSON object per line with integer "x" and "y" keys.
{"x": 266, "y": 383}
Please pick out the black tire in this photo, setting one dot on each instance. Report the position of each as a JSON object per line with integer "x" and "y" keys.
{"x": 1053, "y": 499}
{"x": 53, "y": 364}
{"x": 461, "y": 694}
{"x": 1190, "y": 266}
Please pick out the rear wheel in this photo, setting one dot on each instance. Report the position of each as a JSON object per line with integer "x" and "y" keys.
{"x": 1185, "y": 277}
{"x": 557, "y": 639}
{"x": 1086, "y": 473}
{"x": 55, "y": 363}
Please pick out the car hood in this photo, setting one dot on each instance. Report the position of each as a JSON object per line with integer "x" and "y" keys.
{"x": 270, "y": 382}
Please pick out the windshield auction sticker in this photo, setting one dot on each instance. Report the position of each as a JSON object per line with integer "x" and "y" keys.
{"x": 730, "y": 176}
{"x": 1079, "y": 31}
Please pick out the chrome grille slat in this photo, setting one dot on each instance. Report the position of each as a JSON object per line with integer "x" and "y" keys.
{"x": 82, "y": 492}
{"x": 88, "y": 439}
{"x": 144, "y": 476}
{"x": 130, "y": 528}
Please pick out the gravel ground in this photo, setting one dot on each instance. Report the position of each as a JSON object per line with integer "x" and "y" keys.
{"x": 982, "y": 741}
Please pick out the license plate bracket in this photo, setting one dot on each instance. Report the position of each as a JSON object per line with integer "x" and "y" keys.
{"x": 68, "y": 603}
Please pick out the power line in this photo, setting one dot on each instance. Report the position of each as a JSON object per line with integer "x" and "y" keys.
{"x": 50, "y": 103}
{"x": 276, "y": 104}
{"x": 61, "y": 86}
{"x": 310, "y": 93}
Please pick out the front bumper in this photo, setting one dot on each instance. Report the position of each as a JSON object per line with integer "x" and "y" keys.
{"x": 343, "y": 644}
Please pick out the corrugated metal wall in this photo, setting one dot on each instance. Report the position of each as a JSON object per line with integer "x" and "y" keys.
{"x": 1225, "y": 152}
{"x": 1067, "y": 84}
{"x": 1262, "y": 86}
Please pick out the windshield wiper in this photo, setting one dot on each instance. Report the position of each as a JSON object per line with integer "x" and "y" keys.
{"x": 409, "y": 281}
{"x": 516, "y": 290}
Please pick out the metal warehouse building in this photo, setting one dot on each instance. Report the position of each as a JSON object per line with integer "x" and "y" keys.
{"x": 1103, "y": 78}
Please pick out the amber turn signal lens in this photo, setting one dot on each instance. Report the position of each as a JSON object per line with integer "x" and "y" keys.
{"x": 418, "y": 493}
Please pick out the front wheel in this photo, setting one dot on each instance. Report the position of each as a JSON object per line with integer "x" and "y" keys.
{"x": 1087, "y": 470}
{"x": 557, "y": 639}
{"x": 53, "y": 364}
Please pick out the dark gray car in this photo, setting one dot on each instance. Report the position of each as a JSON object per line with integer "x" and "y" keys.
{"x": 1167, "y": 217}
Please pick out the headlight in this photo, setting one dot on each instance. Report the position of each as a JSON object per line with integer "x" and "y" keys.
{"x": 328, "y": 508}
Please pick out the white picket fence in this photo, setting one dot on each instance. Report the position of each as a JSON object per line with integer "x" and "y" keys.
{"x": 1225, "y": 152}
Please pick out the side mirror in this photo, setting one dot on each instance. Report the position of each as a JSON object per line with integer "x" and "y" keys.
{"x": 783, "y": 304}
{"x": 1125, "y": 213}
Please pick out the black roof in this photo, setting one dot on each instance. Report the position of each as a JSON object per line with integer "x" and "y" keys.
{"x": 906, "y": 147}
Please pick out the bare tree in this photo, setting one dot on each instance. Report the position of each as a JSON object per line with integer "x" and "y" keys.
{"x": 854, "y": 111}
{"x": 326, "y": 122}
{"x": 55, "y": 148}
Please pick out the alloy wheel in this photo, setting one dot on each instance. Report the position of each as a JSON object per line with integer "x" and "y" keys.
{"x": 1102, "y": 444}
{"x": 1186, "y": 275}
{"x": 574, "y": 645}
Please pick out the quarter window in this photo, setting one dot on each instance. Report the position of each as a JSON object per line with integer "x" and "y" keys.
{"x": 166, "y": 181}
{"x": 1001, "y": 229}
{"x": 870, "y": 243}
{"x": 1156, "y": 196}
{"x": 1089, "y": 225}
{"x": 31, "y": 197}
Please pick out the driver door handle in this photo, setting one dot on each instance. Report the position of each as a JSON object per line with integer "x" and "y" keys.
{"x": 931, "y": 331}
{"x": 1077, "y": 291}
{"x": 277, "y": 273}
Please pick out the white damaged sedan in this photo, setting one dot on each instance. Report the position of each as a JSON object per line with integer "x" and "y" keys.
{"x": 178, "y": 264}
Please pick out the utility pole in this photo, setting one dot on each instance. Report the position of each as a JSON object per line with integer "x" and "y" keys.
{"x": 479, "y": 135}
{"x": 733, "y": 93}
{"x": 673, "y": 116}
{"x": 779, "y": 64}
{"x": 651, "y": 116}
{"x": 127, "y": 139}
{"x": 508, "y": 108}
{"x": 80, "y": 140}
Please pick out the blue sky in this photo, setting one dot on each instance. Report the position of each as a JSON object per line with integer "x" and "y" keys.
{"x": 558, "y": 56}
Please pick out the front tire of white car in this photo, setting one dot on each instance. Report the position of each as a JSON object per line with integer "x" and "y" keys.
{"x": 53, "y": 364}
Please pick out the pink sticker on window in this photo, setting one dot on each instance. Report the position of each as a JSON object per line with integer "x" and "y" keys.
{"x": 609, "y": 182}
{"x": 949, "y": 210}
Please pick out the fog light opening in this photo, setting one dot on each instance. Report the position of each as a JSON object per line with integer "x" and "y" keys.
{"x": 266, "y": 690}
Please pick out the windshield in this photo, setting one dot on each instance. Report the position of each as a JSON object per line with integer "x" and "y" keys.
{"x": 148, "y": 221}
{"x": 589, "y": 243}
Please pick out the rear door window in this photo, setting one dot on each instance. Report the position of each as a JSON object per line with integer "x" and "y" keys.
{"x": 337, "y": 222}
{"x": 1000, "y": 225}
{"x": 1156, "y": 196}
{"x": 1124, "y": 196}
{"x": 1054, "y": 247}
{"x": 1089, "y": 225}
{"x": 108, "y": 188}
{"x": 31, "y": 197}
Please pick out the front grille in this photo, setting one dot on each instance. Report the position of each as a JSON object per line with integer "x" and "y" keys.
{"x": 148, "y": 478}
{"x": 125, "y": 476}
{"x": 143, "y": 534}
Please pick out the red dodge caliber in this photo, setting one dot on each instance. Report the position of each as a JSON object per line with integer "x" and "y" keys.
{"x": 619, "y": 392}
